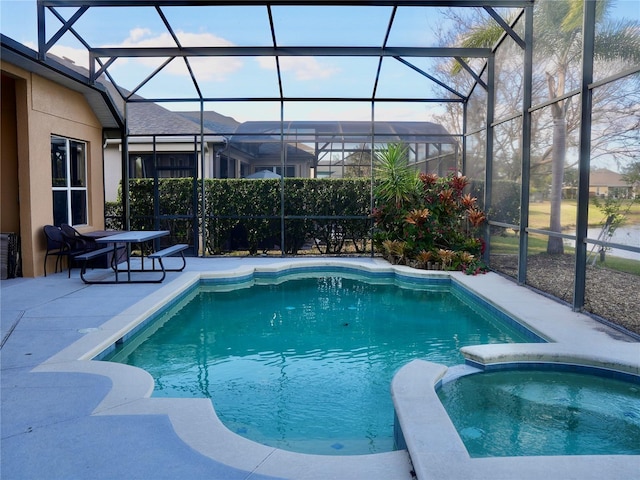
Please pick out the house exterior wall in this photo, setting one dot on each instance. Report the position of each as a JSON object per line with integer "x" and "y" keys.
{"x": 10, "y": 207}
{"x": 44, "y": 108}
{"x": 112, "y": 169}
{"x": 113, "y": 160}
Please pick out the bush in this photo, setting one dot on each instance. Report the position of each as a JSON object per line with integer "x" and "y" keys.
{"x": 246, "y": 214}
{"x": 438, "y": 226}
{"x": 113, "y": 216}
{"x": 505, "y": 200}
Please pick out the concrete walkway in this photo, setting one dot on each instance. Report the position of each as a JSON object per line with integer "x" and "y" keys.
{"x": 61, "y": 425}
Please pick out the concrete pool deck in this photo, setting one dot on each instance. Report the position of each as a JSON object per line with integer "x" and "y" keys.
{"x": 66, "y": 417}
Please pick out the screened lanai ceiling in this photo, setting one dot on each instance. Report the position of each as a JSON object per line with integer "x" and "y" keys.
{"x": 211, "y": 54}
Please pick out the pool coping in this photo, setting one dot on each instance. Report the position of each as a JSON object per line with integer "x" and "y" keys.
{"x": 437, "y": 451}
{"x": 575, "y": 337}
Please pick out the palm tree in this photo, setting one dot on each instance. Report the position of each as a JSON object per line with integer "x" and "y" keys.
{"x": 559, "y": 25}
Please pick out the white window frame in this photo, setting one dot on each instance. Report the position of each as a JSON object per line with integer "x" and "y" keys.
{"x": 68, "y": 188}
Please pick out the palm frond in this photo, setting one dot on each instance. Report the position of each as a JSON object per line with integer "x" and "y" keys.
{"x": 618, "y": 40}
{"x": 484, "y": 35}
{"x": 573, "y": 18}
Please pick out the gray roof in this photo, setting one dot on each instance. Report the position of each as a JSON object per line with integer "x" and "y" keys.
{"x": 152, "y": 119}
{"x": 607, "y": 178}
{"x": 348, "y": 131}
{"x": 214, "y": 121}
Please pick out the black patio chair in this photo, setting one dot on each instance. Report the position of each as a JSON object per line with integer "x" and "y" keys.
{"x": 56, "y": 245}
{"x": 78, "y": 241}
{"x": 59, "y": 245}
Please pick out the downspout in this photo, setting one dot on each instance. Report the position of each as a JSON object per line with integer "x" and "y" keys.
{"x": 126, "y": 204}
{"x": 203, "y": 207}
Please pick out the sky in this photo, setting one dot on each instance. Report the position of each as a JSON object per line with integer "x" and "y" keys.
{"x": 243, "y": 77}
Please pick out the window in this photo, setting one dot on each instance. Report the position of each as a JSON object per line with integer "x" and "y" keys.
{"x": 168, "y": 165}
{"x": 290, "y": 170}
{"x": 69, "y": 181}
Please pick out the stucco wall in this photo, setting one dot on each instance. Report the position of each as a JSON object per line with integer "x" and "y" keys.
{"x": 44, "y": 108}
{"x": 9, "y": 206}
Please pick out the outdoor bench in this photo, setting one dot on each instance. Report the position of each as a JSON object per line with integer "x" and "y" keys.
{"x": 166, "y": 252}
{"x": 90, "y": 255}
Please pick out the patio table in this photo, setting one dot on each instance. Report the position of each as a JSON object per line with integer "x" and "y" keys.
{"x": 128, "y": 239}
{"x": 107, "y": 260}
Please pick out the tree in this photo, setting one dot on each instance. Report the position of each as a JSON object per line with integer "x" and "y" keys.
{"x": 558, "y": 29}
{"x": 358, "y": 163}
{"x": 631, "y": 175}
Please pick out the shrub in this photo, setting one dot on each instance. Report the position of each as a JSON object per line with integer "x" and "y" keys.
{"x": 246, "y": 214}
{"x": 438, "y": 226}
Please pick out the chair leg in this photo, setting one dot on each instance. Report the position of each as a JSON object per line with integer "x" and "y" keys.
{"x": 46, "y": 255}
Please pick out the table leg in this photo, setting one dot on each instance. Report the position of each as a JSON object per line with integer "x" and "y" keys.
{"x": 129, "y": 262}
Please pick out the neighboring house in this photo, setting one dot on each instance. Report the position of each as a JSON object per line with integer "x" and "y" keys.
{"x": 323, "y": 149}
{"x": 174, "y": 138}
{"x": 606, "y": 183}
{"x": 53, "y": 129}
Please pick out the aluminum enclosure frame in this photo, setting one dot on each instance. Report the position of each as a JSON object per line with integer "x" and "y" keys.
{"x": 101, "y": 58}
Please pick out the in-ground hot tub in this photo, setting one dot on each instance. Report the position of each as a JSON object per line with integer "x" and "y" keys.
{"x": 548, "y": 410}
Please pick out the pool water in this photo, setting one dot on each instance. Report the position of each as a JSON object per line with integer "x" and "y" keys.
{"x": 306, "y": 364}
{"x": 518, "y": 413}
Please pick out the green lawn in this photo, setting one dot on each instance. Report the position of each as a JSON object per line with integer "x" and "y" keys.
{"x": 508, "y": 244}
{"x": 539, "y": 215}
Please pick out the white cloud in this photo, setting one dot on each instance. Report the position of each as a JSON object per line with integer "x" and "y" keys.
{"x": 304, "y": 68}
{"x": 79, "y": 56}
{"x": 205, "y": 69}
{"x": 137, "y": 33}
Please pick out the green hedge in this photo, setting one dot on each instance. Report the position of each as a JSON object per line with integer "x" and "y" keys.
{"x": 247, "y": 214}
{"x": 505, "y": 201}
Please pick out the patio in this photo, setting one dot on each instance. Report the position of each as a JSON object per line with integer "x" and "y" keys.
{"x": 65, "y": 418}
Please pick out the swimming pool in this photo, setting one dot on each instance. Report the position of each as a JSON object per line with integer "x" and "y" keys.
{"x": 304, "y": 364}
{"x": 554, "y": 411}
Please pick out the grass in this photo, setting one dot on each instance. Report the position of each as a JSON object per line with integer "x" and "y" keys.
{"x": 539, "y": 219}
{"x": 508, "y": 244}
{"x": 539, "y": 214}
{"x": 620, "y": 264}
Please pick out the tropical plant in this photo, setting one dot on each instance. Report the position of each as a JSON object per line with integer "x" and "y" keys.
{"x": 442, "y": 224}
{"x": 395, "y": 180}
